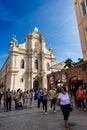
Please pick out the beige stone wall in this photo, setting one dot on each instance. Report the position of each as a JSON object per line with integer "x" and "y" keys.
{"x": 82, "y": 26}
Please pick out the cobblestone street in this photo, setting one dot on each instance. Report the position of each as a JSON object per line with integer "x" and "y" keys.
{"x": 35, "y": 119}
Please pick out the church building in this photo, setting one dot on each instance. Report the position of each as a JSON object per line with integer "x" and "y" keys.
{"x": 28, "y": 63}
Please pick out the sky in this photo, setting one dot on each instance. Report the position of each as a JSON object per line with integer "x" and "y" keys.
{"x": 55, "y": 19}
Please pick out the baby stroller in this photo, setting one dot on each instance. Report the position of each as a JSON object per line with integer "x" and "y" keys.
{"x": 19, "y": 105}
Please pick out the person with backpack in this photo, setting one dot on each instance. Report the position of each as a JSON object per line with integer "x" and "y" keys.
{"x": 8, "y": 100}
{"x": 38, "y": 93}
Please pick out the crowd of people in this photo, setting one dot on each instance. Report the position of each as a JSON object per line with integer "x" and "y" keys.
{"x": 20, "y": 99}
{"x": 56, "y": 97}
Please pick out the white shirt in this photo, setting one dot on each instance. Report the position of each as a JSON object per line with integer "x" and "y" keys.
{"x": 64, "y": 98}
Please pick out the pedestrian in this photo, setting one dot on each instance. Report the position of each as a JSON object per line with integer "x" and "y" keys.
{"x": 0, "y": 97}
{"x": 26, "y": 98}
{"x": 45, "y": 98}
{"x": 17, "y": 96}
{"x": 85, "y": 90}
{"x": 73, "y": 90}
{"x": 64, "y": 100}
{"x": 80, "y": 94}
{"x": 38, "y": 93}
{"x": 52, "y": 96}
{"x": 8, "y": 100}
{"x": 41, "y": 97}
{"x": 30, "y": 97}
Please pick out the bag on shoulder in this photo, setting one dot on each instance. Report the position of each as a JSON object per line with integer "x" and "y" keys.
{"x": 70, "y": 108}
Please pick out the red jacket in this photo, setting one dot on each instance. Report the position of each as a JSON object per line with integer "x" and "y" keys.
{"x": 80, "y": 94}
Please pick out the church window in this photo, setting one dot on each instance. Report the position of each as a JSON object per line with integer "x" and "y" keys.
{"x": 22, "y": 63}
{"x": 84, "y": 7}
{"x": 21, "y": 79}
{"x": 36, "y": 64}
{"x": 48, "y": 66}
{"x": 86, "y": 2}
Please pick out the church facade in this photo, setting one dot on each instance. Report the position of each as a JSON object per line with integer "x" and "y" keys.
{"x": 28, "y": 63}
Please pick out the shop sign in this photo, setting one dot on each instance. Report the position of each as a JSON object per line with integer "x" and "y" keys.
{"x": 64, "y": 78}
{"x": 51, "y": 80}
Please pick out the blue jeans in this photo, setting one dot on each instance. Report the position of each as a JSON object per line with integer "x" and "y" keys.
{"x": 8, "y": 105}
{"x": 38, "y": 102}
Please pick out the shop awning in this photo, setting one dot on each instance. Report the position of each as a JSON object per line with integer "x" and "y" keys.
{"x": 75, "y": 81}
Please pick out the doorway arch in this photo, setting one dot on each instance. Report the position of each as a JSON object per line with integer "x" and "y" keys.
{"x": 75, "y": 82}
{"x": 35, "y": 85}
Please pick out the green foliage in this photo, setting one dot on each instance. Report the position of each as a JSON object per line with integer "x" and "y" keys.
{"x": 80, "y": 59}
{"x": 68, "y": 63}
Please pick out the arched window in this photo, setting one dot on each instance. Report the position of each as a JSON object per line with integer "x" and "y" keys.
{"x": 84, "y": 7}
{"x": 48, "y": 66}
{"x": 36, "y": 64}
{"x": 22, "y": 63}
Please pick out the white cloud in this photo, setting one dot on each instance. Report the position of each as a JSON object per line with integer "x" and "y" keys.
{"x": 68, "y": 53}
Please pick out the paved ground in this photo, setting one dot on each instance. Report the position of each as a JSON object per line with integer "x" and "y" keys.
{"x": 35, "y": 119}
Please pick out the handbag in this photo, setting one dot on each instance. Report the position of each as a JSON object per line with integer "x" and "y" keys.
{"x": 70, "y": 108}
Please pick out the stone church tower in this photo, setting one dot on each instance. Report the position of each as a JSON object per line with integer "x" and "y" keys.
{"x": 28, "y": 64}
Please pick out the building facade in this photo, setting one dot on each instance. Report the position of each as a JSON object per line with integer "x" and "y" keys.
{"x": 74, "y": 76}
{"x": 81, "y": 14}
{"x": 28, "y": 64}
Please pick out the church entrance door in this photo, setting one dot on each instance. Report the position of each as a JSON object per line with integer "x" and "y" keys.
{"x": 36, "y": 85}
